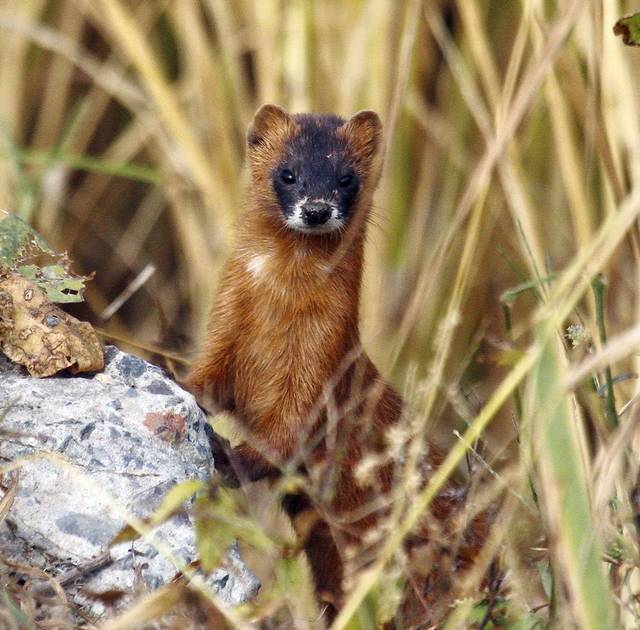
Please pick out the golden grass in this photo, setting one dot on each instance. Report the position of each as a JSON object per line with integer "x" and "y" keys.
{"x": 513, "y": 156}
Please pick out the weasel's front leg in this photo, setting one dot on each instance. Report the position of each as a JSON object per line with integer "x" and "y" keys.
{"x": 211, "y": 377}
{"x": 240, "y": 464}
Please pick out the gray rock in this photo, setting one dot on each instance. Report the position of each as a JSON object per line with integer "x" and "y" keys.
{"x": 118, "y": 440}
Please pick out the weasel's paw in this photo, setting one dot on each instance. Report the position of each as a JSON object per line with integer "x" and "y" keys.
{"x": 222, "y": 458}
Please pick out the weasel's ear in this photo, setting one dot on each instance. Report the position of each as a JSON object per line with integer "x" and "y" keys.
{"x": 364, "y": 132}
{"x": 270, "y": 121}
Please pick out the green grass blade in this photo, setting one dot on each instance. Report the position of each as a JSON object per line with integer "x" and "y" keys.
{"x": 563, "y": 485}
{"x": 136, "y": 172}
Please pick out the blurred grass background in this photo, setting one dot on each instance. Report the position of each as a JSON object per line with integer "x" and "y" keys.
{"x": 512, "y": 161}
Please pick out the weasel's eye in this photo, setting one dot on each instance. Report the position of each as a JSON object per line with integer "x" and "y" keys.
{"x": 345, "y": 181}
{"x": 287, "y": 177}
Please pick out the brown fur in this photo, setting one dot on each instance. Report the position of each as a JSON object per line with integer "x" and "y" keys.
{"x": 282, "y": 351}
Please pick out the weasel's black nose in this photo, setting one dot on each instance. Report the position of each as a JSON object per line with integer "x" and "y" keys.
{"x": 316, "y": 212}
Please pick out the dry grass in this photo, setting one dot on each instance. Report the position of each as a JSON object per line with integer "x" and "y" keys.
{"x": 513, "y": 160}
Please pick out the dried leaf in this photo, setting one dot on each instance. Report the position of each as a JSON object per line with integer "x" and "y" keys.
{"x": 629, "y": 28}
{"x": 219, "y": 522}
{"x": 10, "y": 494}
{"x": 108, "y": 598}
{"x": 37, "y": 334}
{"x": 171, "y": 503}
{"x": 147, "y": 608}
{"x": 214, "y": 535}
{"x": 174, "y": 499}
{"x": 126, "y": 534}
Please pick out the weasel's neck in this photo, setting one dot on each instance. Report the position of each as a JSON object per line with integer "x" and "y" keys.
{"x": 338, "y": 252}
{"x": 320, "y": 274}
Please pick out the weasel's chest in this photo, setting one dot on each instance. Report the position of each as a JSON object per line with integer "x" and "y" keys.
{"x": 278, "y": 339}
{"x": 289, "y": 348}
{"x": 294, "y": 309}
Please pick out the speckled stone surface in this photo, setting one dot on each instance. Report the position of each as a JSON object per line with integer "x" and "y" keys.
{"x": 116, "y": 442}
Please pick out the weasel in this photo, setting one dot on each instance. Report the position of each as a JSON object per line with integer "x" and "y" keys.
{"x": 282, "y": 348}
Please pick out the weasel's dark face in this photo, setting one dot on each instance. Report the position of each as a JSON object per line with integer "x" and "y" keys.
{"x": 316, "y": 183}
{"x": 317, "y": 166}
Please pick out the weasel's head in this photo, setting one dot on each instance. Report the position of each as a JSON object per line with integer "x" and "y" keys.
{"x": 317, "y": 171}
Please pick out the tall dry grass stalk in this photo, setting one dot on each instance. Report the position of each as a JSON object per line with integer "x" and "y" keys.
{"x": 512, "y": 160}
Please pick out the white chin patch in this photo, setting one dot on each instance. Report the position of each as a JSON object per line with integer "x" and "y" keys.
{"x": 296, "y": 222}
